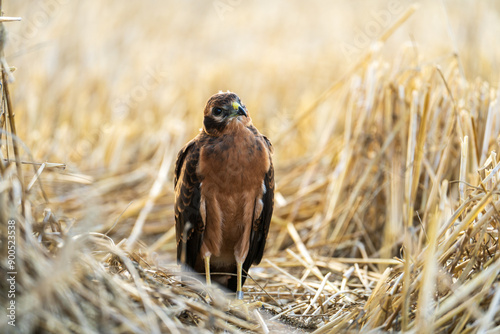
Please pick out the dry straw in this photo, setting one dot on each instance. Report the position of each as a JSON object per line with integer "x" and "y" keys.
{"x": 391, "y": 224}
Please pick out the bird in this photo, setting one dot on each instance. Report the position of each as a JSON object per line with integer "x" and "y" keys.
{"x": 224, "y": 194}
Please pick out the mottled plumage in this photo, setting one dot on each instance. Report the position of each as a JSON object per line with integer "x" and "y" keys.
{"x": 224, "y": 187}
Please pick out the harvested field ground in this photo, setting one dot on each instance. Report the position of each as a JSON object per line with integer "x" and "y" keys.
{"x": 385, "y": 122}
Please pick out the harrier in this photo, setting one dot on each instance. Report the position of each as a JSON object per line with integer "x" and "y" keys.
{"x": 224, "y": 194}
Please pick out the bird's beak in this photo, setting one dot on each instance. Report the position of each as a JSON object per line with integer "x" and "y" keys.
{"x": 238, "y": 110}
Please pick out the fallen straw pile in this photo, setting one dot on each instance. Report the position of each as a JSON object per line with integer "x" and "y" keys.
{"x": 387, "y": 218}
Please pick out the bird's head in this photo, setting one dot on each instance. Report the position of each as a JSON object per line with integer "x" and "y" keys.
{"x": 222, "y": 112}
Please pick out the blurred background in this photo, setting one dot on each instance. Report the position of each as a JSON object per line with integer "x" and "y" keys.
{"x": 112, "y": 89}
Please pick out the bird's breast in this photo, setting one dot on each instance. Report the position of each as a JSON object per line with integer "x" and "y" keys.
{"x": 234, "y": 163}
{"x": 232, "y": 168}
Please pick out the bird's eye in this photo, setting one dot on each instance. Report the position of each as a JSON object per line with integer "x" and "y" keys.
{"x": 217, "y": 111}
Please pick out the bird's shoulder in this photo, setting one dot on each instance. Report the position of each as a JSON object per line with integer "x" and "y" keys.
{"x": 188, "y": 156}
{"x": 268, "y": 143}
{"x": 260, "y": 136}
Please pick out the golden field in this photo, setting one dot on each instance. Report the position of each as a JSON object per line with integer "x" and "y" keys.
{"x": 385, "y": 125}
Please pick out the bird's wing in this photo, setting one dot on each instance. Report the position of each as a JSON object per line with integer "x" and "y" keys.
{"x": 261, "y": 224}
{"x": 189, "y": 225}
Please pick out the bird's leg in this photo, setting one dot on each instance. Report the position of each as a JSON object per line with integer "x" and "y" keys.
{"x": 239, "y": 292}
{"x": 206, "y": 258}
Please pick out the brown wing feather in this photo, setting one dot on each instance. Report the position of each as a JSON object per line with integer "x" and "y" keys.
{"x": 261, "y": 225}
{"x": 189, "y": 225}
